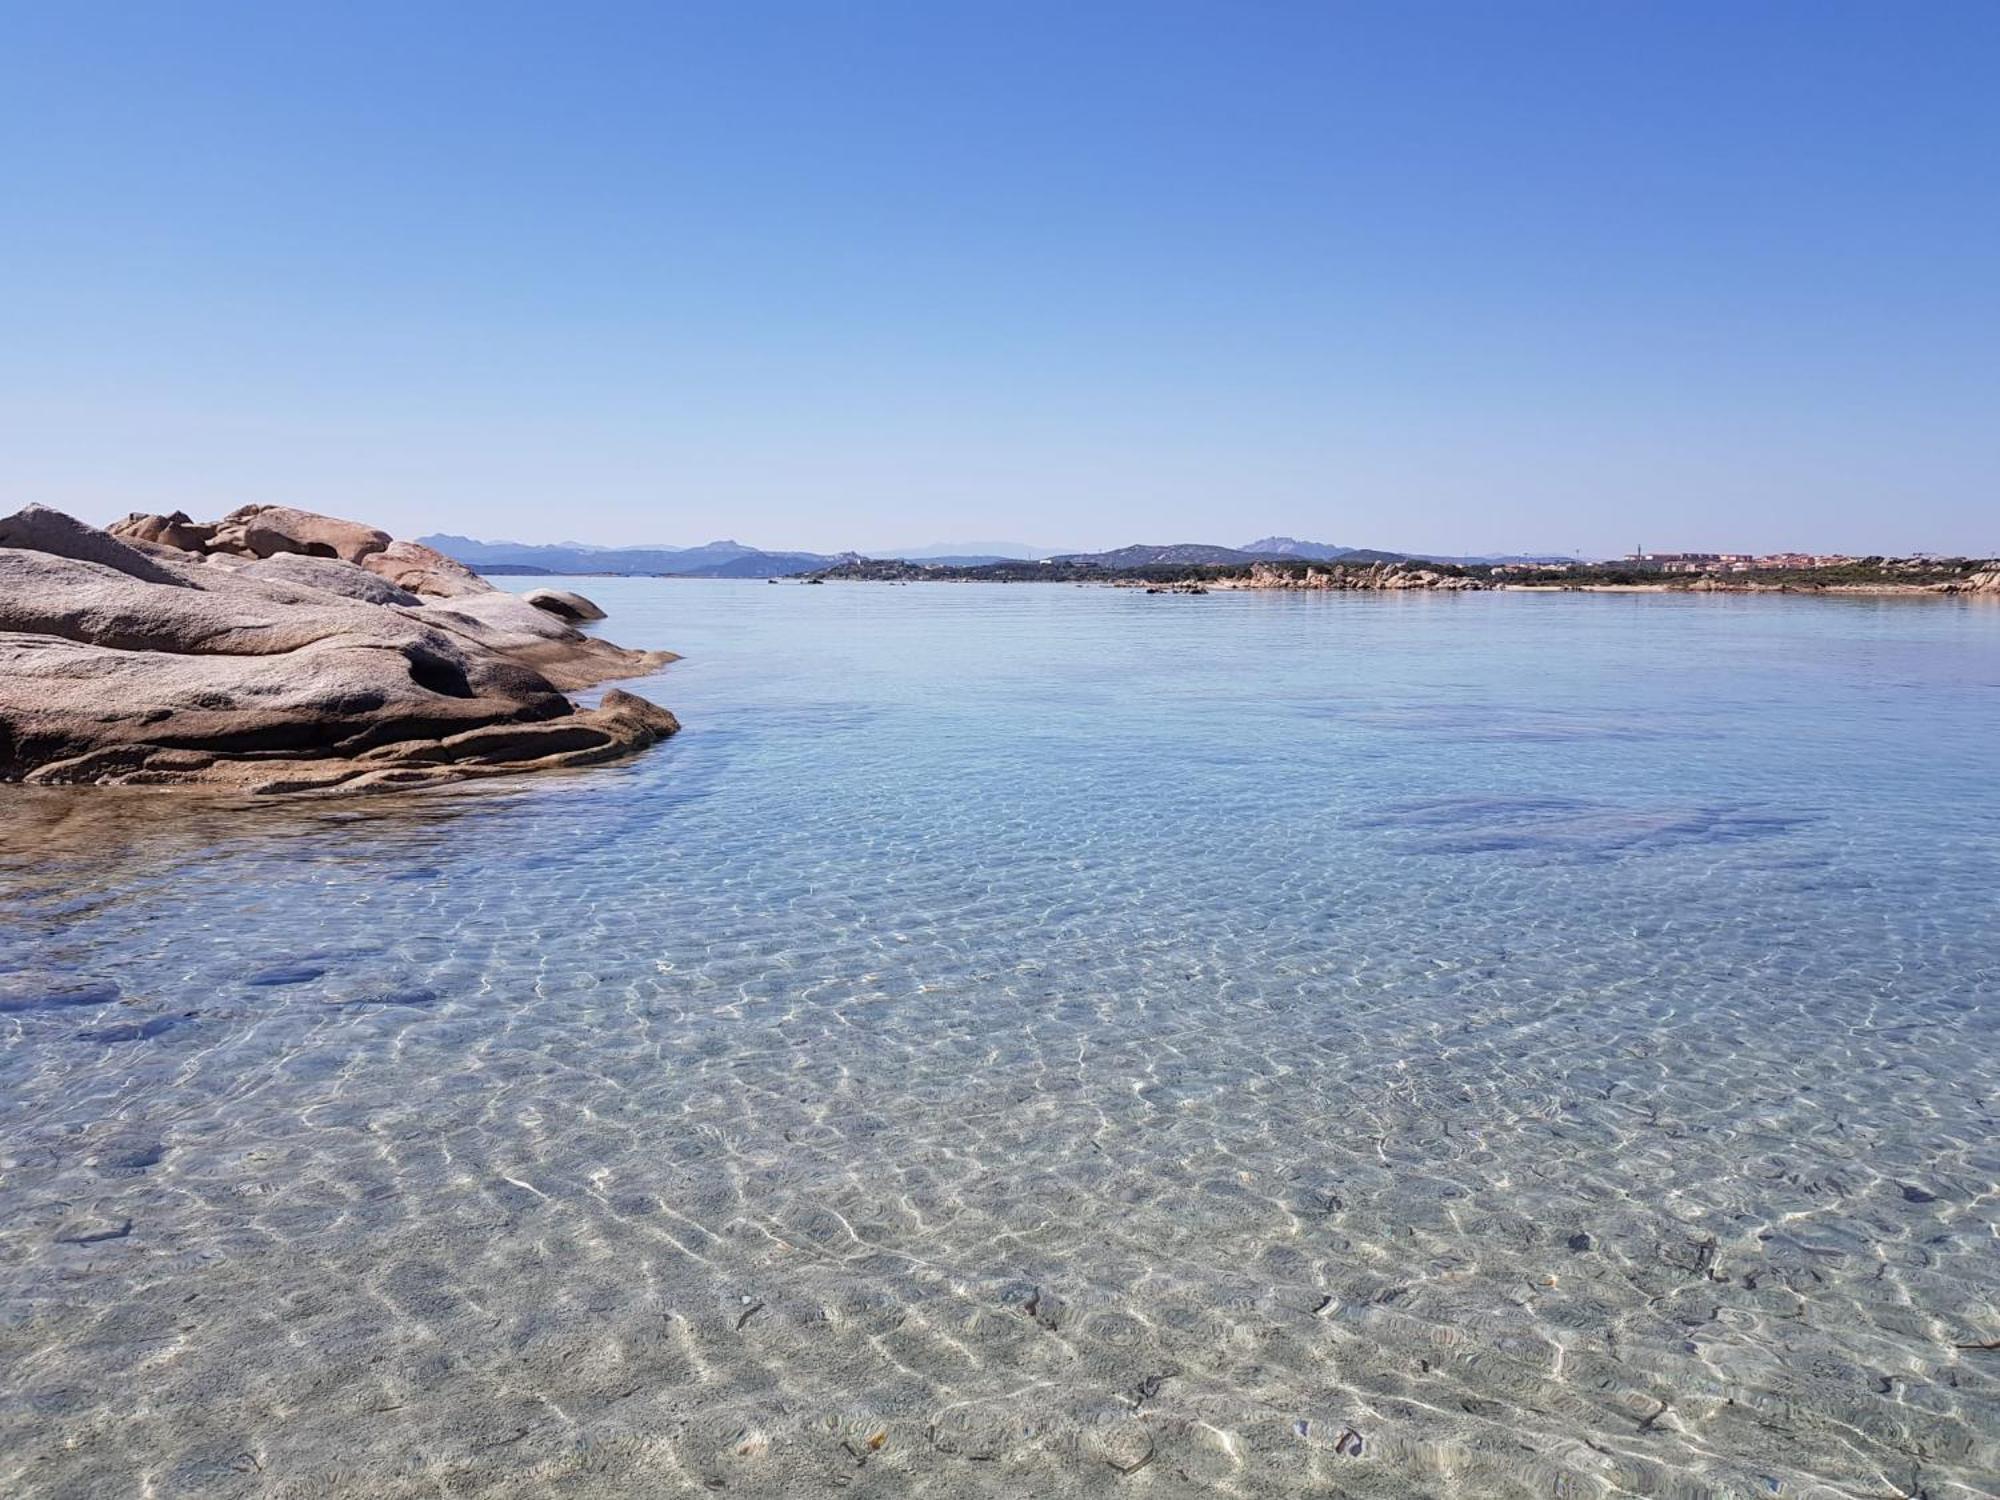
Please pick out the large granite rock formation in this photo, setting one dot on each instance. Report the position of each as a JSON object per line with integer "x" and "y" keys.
{"x": 267, "y": 531}
{"x": 279, "y": 651}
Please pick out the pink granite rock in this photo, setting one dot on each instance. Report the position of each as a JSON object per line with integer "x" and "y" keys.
{"x": 131, "y": 664}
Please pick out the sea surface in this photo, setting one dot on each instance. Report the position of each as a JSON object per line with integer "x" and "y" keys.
{"x": 1034, "y": 1041}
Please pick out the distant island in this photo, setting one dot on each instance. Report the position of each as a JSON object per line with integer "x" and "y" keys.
{"x": 733, "y": 559}
{"x": 1278, "y": 562}
{"x": 726, "y": 559}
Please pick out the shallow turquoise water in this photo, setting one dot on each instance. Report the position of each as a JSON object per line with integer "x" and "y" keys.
{"x": 1040, "y": 1040}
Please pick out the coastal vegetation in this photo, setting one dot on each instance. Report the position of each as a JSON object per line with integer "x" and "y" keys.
{"x": 1946, "y": 574}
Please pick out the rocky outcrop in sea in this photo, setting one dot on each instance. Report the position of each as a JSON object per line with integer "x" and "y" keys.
{"x": 1987, "y": 581}
{"x": 280, "y": 651}
{"x": 1381, "y": 575}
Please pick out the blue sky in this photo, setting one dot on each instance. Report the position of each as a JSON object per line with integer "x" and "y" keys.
{"x": 1463, "y": 277}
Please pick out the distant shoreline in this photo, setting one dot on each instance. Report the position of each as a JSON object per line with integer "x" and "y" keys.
{"x": 1884, "y": 589}
{"x": 1877, "y": 576}
{"x": 1914, "y": 590}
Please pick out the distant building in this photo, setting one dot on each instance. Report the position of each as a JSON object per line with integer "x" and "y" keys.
{"x": 1673, "y": 562}
{"x": 1729, "y": 562}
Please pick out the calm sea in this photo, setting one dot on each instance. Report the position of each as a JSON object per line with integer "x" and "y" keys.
{"x": 1042, "y": 1041}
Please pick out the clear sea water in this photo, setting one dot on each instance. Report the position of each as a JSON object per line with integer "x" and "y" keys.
{"x": 1039, "y": 1041}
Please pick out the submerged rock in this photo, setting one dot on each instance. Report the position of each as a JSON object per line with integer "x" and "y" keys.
{"x": 93, "y": 1229}
{"x": 278, "y": 975}
{"x": 26, "y": 992}
{"x": 126, "y": 1156}
{"x": 318, "y": 655}
{"x": 135, "y": 1031}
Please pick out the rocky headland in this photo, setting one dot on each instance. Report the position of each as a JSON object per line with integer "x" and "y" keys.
{"x": 280, "y": 651}
{"x": 1984, "y": 582}
{"x": 1367, "y": 576}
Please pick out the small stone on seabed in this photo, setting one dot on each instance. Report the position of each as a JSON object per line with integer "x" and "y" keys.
{"x": 121, "y": 1157}
{"x": 135, "y": 1031}
{"x": 281, "y": 974}
{"x": 93, "y": 1231}
{"x": 406, "y": 995}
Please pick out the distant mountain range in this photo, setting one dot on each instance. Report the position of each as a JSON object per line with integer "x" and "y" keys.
{"x": 1291, "y": 546}
{"x": 732, "y": 559}
{"x": 726, "y": 559}
{"x": 1146, "y": 556}
{"x": 964, "y": 559}
{"x": 1266, "y": 549}
{"x": 973, "y": 554}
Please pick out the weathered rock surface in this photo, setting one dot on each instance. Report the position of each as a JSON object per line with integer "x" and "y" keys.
{"x": 266, "y": 530}
{"x": 270, "y": 531}
{"x": 289, "y": 665}
{"x": 343, "y": 578}
{"x": 512, "y": 627}
{"x": 176, "y": 530}
{"x": 563, "y": 604}
{"x": 39, "y": 529}
{"x": 425, "y": 570}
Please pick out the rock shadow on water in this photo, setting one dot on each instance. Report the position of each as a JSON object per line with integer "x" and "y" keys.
{"x": 1574, "y": 827}
{"x": 127, "y": 1157}
{"x": 136, "y": 1031}
{"x": 93, "y": 1231}
{"x": 277, "y": 975}
{"x": 31, "y": 992}
{"x": 402, "y": 994}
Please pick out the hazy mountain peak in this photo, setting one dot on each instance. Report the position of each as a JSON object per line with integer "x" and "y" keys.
{"x": 1291, "y": 546}
{"x": 971, "y": 549}
{"x": 725, "y": 559}
{"x": 1147, "y": 554}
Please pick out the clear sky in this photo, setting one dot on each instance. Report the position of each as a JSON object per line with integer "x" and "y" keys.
{"x": 1461, "y": 277}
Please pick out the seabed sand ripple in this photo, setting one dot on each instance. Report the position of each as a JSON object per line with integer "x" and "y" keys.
{"x": 1297, "y": 1094}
